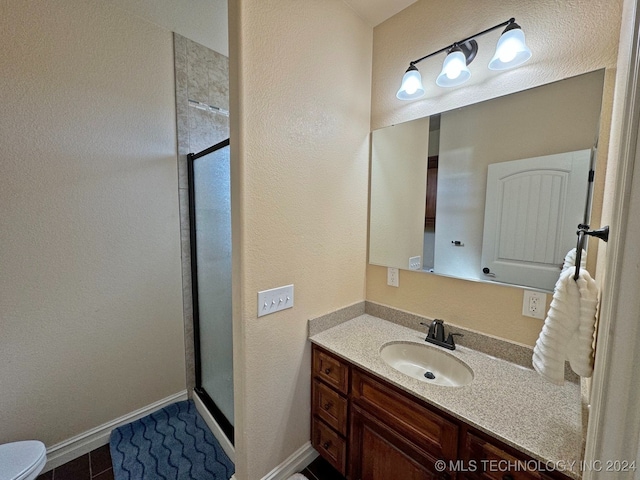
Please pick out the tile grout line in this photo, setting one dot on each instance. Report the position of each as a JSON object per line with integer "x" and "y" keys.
{"x": 100, "y": 473}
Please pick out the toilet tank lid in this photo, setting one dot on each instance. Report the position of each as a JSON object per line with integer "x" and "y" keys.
{"x": 17, "y": 458}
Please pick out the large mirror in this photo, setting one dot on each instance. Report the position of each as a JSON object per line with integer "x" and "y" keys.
{"x": 492, "y": 191}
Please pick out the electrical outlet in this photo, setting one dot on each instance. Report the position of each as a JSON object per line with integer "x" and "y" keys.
{"x": 534, "y": 304}
{"x": 274, "y": 300}
{"x": 415, "y": 263}
{"x": 393, "y": 277}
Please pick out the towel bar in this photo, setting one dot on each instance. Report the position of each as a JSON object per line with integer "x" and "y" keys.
{"x": 583, "y": 230}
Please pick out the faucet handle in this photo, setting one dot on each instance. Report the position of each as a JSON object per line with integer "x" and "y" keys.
{"x": 450, "y": 340}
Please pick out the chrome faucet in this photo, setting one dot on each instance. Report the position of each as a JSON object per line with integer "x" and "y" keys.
{"x": 435, "y": 335}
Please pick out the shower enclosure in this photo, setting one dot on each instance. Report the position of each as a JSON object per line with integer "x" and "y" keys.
{"x": 210, "y": 224}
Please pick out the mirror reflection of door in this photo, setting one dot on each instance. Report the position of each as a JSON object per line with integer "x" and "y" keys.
{"x": 532, "y": 211}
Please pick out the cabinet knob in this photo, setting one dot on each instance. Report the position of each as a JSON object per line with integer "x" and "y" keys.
{"x": 326, "y": 445}
{"x": 327, "y": 371}
{"x": 328, "y": 405}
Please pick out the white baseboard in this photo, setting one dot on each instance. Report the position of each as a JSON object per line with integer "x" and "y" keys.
{"x": 75, "y": 447}
{"x": 296, "y": 462}
{"x": 226, "y": 445}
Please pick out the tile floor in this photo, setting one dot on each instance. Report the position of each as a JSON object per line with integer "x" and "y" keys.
{"x": 95, "y": 465}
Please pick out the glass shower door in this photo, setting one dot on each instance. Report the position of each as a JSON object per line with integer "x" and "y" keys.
{"x": 210, "y": 218}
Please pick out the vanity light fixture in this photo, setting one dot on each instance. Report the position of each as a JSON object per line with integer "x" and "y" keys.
{"x": 511, "y": 51}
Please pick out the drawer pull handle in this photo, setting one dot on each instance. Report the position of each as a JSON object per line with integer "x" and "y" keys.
{"x": 326, "y": 445}
{"x": 327, "y": 371}
{"x": 327, "y": 406}
{"x": 507, "y": 476}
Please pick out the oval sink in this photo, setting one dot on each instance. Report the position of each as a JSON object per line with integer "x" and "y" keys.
{"x": 427, "y": 363}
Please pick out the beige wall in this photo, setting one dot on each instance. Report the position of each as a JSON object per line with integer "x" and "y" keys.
{"x": 203, "y": 21}
{"x": 567, "y": 39}
{"x": 90, "y": 291}
{"x": 300, "y": 103}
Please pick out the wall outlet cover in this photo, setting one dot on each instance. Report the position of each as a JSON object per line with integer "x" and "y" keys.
{"x": 534, "y": 304}
{"x": 393, "y": 277}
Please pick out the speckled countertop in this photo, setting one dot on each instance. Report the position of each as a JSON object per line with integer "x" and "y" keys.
{"x": 507, "y": 401}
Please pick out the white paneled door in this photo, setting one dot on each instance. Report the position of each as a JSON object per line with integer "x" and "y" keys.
{"x": 533, "y": 208}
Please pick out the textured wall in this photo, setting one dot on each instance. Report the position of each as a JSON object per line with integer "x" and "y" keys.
{"x": 204, "y": 21}
{"x": 300, "y": 93}
{"x": 566, "y": 38}
{"x": 90, "y": 303}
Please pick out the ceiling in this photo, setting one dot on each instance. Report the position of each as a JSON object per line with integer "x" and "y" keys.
{"x": 375, "y": 12}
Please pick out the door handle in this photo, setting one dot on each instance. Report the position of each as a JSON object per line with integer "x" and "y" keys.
{"x": 487, "y": 272}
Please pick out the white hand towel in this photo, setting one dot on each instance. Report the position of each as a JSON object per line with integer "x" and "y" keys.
{"x": 568, "y": 329}
{"x": 570, "y": 260}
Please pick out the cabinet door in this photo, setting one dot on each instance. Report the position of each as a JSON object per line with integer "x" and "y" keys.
{"x": 377, "y": 452}
{"x": 494, "y": 463}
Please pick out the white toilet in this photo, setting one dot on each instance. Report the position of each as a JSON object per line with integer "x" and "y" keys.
{"x": 22, "y": 460}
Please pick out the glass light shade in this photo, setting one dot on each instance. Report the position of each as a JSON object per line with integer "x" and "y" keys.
{"x": 454, "y": 70}
{"x": 411, "y": 87}
{"x": 511, "y": 50}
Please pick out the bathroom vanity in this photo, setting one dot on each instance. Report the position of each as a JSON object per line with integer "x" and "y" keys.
{"x": 370, "y": 421}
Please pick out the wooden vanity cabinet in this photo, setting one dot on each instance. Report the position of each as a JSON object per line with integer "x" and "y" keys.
{"x": 379, "y": 452}
{"x": 329, "y": 407}
{"x": 369, "y": 429}
{"x": 394, "y": 436}
{"x": 495, "y": 461}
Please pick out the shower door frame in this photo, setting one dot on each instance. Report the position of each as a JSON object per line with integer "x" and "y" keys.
{"x": 217, "y": 414}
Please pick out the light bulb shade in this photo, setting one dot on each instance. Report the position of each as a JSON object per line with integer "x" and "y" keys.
{"x": 411, "y": 87}
{"x": 454, "y": 70}
{"x": 511, "y": 50}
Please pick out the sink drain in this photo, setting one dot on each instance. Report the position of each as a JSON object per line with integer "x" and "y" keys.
{"x": 429, "y": 375}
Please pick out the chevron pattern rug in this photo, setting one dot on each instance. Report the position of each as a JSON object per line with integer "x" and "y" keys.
{"x": 171, "y": 444}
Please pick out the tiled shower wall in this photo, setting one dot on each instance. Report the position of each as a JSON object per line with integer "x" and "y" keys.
{"x": 202, "y": 79}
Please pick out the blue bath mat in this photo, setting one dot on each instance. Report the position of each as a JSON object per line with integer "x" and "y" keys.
{"x": 171, "y": 444}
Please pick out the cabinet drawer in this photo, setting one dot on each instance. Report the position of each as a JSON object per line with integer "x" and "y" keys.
{"x": 424, "y": 427}
{"x": 330, "y": 406}
{"x": 329, "y": 444}
{"x": 331, "y": 370}
{"x": 493, "y": 463}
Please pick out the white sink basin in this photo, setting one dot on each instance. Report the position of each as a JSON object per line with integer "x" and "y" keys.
{"x": 427, "y": 363}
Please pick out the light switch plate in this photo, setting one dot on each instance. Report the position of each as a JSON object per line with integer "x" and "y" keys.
{"x": 415, "y": 263}
{"x": 274, "y": 300}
